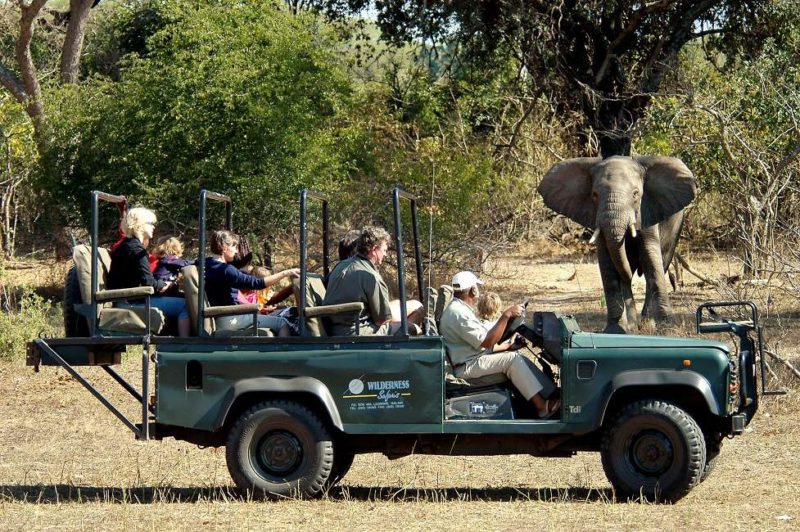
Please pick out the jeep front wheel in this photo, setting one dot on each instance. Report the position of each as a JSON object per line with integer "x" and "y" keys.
{"x": 653, "y": 449}
{"x": 279, "y": 448}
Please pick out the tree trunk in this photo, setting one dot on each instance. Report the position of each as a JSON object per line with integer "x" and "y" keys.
{"x": 73, "y": 42}
{"x": 33, "y": 103}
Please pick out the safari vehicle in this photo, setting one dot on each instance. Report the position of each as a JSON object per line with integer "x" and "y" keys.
{"x": 293, "y": 412}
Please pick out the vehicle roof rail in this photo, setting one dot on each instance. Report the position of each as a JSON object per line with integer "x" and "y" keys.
{"x": 305, "y": 195}
{"x": 397, "y": 194}
{"x": 97, "y": 197}
{"x": 205, "y": 196}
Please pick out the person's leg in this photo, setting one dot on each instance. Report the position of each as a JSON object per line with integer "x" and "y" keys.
{"x": 415, "y": 311}
{"x": 274, "y": 323}
{"x": 174, "y": 308}
{"x": 529, "y": 383}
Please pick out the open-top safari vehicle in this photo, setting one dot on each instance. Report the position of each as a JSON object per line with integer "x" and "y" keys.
{"x": 293, "y": 412}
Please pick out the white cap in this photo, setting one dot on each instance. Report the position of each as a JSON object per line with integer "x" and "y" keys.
{"x": 465, "y": 281}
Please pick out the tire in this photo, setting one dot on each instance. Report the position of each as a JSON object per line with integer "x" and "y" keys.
{"x": 654, "y": 450}
{"x": 713, "y": 448}
{"x": 75, "y": 325}
{"x": 342, "y": 462}
{"x": 279, "y": 449}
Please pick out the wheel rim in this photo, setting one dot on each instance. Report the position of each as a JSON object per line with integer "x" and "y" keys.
{"x": 279, "y": 453}
{"x": 651, "y": 453}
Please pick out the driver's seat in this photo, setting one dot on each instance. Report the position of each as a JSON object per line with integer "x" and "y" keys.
{"x": 438, "y": 301}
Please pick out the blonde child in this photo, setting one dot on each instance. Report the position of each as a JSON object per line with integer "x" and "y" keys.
{"x": 169, "y": 253}
{"x": 489, "y": 305}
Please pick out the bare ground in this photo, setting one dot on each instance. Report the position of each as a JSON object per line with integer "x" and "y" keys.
{"x": 67, "y": 463}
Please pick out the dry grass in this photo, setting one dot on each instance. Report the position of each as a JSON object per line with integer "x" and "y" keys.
{"x": 66, "y": 463}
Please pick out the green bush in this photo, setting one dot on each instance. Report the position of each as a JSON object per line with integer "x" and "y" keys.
{"x": 24, "y": 318}
{"x": 241, "y": 98}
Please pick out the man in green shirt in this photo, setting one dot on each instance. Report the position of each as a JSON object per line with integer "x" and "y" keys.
{"x": 475, "y": 352}
{"x": 358, "y": 279}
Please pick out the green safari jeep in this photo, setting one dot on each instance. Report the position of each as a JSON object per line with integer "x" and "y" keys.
{"x": 293, "y": 412}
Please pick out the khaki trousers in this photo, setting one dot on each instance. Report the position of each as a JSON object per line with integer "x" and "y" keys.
{"x": 526, "y": 376}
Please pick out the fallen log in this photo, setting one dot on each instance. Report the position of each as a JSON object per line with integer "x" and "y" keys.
{"x": 784, "y": 362}
{"x": 685, "y": 265}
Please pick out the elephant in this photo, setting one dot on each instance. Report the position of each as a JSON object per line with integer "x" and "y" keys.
{"x": 636, "y": 205}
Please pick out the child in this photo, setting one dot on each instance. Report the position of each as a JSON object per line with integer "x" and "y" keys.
{"x": 169, "y": 251}
{"x": 248, "y": 297}
{"x": 267, "y": 298}
{"x": 489, "y": 305}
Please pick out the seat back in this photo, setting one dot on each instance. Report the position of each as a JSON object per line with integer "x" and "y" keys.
{"x": 444, "y": 296}
{"x": 315, "y": 295}
{"x": 112, "y": 320}
{"x": 82, "y": 257}
{"x": 191, "y": 288}
{"x": 431, "y": 325}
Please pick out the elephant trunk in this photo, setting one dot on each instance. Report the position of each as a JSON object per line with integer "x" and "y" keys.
{"x": 614, "y": 219}
{"x": 614, "y": 222}
{"x": 616, "y": 251}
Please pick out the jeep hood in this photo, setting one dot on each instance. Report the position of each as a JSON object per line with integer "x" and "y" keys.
{"x": 602, "y": 341}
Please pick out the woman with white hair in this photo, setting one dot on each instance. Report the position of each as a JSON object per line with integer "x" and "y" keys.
{"x": 130, "y": 267}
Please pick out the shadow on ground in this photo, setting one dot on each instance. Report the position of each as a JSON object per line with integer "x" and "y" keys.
{"x": 64, "y": 493}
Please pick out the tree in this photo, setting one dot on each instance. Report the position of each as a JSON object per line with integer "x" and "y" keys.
{"x": 602, "y": 59}
{"x": 19, "y": 74}
{"x": 240, "y": 98}
{"x": 739, "y": 128}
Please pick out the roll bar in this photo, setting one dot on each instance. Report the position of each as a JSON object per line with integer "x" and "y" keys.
{"x": 305, "y": 195}
{"x": 97, "y": 197}
{"x": 205, "y": 196}
{"x": 398, "y": 194}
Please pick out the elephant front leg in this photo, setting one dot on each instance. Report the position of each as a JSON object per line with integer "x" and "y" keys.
{"x": 620, "y": 306}
{"x": 657, "y": 300}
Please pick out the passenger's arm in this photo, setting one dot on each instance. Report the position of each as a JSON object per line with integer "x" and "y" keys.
{"x": 496, "y": 332}
{"x": 293, "y": 273}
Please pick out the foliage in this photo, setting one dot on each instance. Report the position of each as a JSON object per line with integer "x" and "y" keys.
{"x": 601, "y": 60}
{"x": 24, "y": 317}
{"x": 241, "y": 98}
{"x": 739, "y": 130}
{"x": 18, "y": 160}
{"x": 118, "y": 30}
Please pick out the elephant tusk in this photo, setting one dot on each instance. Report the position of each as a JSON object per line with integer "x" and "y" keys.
{"x": 594, "y": 236}
{"x": 633, "y": 230}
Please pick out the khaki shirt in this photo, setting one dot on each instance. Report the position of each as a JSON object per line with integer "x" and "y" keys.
{"x": 357, "y": 280}
{"x": 463, "y": 332}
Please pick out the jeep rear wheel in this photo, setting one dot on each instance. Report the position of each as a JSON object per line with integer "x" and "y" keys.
{"x": 279, "y": 448}
{"x": 655, "y": 450}
{"x": 342, "y": 461}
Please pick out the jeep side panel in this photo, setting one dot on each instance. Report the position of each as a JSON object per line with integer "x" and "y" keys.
{"x": 367, "y": 386}
{"x": 595, "y": 367}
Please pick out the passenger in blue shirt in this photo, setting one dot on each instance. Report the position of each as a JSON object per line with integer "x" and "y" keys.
{"x": 223, "y": 281}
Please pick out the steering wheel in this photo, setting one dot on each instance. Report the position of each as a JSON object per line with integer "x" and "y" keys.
{"x": 511, "y": 326}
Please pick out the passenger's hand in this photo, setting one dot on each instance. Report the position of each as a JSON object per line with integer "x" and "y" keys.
{"x": 514, "y": 311}
{"x": 293, "y": 273}
{"x": 166, "y": 287}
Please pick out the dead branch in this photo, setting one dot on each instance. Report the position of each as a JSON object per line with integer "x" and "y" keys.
{"x": 784, "y": 362}
{"x": 685, "y": 265}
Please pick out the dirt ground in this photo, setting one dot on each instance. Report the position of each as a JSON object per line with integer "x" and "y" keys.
{"x": 67, "y": 463}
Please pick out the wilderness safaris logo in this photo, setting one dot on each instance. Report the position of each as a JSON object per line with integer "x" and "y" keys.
{"x": 377, "y": 394}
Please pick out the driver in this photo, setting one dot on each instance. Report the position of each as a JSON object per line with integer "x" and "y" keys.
{"x": 475, "y": 352}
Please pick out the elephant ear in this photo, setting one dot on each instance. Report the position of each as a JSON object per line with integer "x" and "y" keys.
{"x": 567, "y": 189}
{"x": 669, "y": 186}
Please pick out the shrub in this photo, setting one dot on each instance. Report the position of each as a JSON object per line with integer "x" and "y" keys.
{"x": 24, "y": 317}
